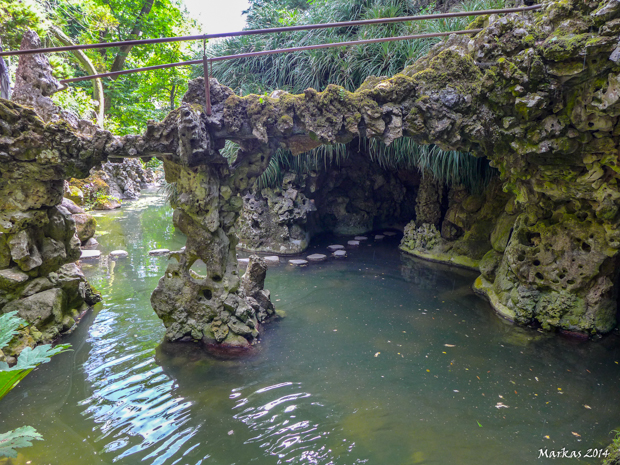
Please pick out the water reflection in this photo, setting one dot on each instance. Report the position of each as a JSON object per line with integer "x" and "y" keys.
{"x": 382, "y": 359}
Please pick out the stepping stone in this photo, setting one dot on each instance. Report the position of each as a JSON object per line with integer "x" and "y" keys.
{"x": 317, "y": 257}
{"x": 90, "y": 254}
{"x": 360, "y": 238}
{"x": 91, "y": 244}
{"x": 159, "y": 252}
{"x": 389, "y": 233}
{"x": 119, "y": 254}
{"x": 353, "y": 243}
{"x": 379, "y": 237}
{"x": 243, "y": 261}
{"x": 183, "y": 249}
{"x": 298, "y": 262}
{"x": 340, "y": 254}
{"x": 335, "y": 247}
{"x": 272, "y": 260}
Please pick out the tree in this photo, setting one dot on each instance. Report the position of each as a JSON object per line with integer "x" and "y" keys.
{"x": 129, "y": 100}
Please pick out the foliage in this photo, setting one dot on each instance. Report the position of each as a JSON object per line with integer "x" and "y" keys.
{"x": 130, "y": 100}
{"x": 29, "y": 358}
{"x": 76, "y": 100}
{"x": 347, "y": 67}
{"x": 403, "y": 154}
{"x": 170, "y": 192}
{"x": 27, "y": 361}
{"x": 153, "y": 163}
{"x": 21, "y": 437}
{"x": 614, "y": 449}
{"x": 18, "y": 15}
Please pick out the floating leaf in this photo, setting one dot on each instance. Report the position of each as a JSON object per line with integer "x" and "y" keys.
{"x": 449, "y": 345}
{"x": 21, "y": 437}
{"x": 479, "y": 423}
{"x": 588, "y": 407}
{"x": 377, "y": 354}
{"x": 576, "y": 434}
{"x": 501, "y": 405}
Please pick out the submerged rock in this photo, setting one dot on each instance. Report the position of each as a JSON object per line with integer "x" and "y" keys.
{"x": 159, "y": 252}
{"x": 90, "y": 254}
{"x": 119, "y": 254}
{"x": 335, "y": 247}
{"x": 298, "y": 262}
{"x": 317, "y": 257}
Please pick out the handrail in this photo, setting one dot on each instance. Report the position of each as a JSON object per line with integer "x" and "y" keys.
{"x": 270, "y": 52}
{"x": 269, "y": 30}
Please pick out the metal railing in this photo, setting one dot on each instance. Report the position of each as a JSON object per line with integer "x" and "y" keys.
{"x": 207, "y": 61}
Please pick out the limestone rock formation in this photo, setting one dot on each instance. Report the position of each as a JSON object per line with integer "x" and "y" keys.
{"x": 536, "y": 93}
{"x": 275, "y": 219}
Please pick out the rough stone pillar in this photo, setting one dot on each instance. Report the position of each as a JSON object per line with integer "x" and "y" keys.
{"x": 428, "y": 201}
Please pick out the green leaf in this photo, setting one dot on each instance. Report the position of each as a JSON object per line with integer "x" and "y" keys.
{"x": 10, "y": 379}
{"x": 29, "y": 358}
{"x": 21, "y": 437}
{"x": 9, "y": 323}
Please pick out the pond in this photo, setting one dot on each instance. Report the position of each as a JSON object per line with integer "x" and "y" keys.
{"x": 380, "y": 359}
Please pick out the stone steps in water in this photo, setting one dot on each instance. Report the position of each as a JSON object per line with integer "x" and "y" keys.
{"x": 91, "y": 244}
{"x": 317, "y": 257}
{"x": 360, "y": 238}
{"x": 119, "y": 254}
{"x": 335, "y": 247}
{"x": 159, "y": 252}
{"x": 353, "y": 243}
{"x": 340, "y": 254}
{"x": 298, "y": 262}
{"x": 90, "y": 254}
{"x": 272, "y": 260}
{"x": 379, "y": 237}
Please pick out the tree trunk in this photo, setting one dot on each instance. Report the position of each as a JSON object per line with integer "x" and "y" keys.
{"x": 173, "y": 93}
{"x": 90, "y": 68}
{"x": 121, "y": 56}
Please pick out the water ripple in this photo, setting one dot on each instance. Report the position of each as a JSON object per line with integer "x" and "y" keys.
{"x": 133, "y": 403}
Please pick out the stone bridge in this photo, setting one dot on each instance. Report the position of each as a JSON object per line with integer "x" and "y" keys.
{"x": 538, "y": 94}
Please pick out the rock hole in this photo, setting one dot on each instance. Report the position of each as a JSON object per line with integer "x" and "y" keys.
{"x": 536, "y": 262}
{"x": 582, "y": 216}
{"x": 539, "y": 276}
{"x": 207, "y": 294}
{"x": 586, "y": 247}
{"x": 561, "y": 276}
{"x": 570, "y": 281}
{"x": 590, "y": 124}
{"x": 533, "y": 239}
{"x": 217, "y": 278}
{"x": 521, "y": 258}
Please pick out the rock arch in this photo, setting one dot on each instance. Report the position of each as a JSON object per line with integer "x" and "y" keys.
{"x": 537, "y": 94}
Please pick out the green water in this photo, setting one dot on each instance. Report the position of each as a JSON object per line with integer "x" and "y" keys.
{"x": 359, "y": 371}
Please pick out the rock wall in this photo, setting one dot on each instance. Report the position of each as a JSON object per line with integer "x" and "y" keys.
{"x": 112, "y": 183}
{"x": 276, "y": 219}
{"x": 354, "y": 197}
{"x": 536, "y": 93}
{"x": 38, "y": 238}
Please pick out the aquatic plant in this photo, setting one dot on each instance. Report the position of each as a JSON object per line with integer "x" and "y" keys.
{"x": 614, "y": 449}
{"x": 27, "y": 361}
